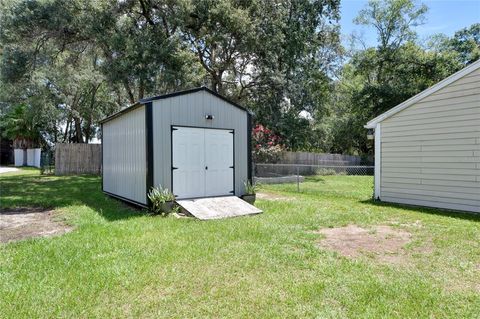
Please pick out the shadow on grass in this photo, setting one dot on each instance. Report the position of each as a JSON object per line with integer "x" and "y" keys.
{"x": 426, "y": 210}
{"x": 57, "y": 192}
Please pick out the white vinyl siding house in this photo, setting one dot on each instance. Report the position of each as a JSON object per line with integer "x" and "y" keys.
{"x": 428, "y": 148}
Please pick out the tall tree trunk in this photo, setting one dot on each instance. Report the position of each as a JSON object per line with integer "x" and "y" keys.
{"x": 88, "y": 130}
{"x": 78, "y": 130}
{"x": 67, "y": 130}
{"x": 131, "y": 97}
{"x": 55, "y": 133}
{"x": 219, "y": 77}
{"x": 141, "y": 89}
{"x": 214, "y": 84}
{"x": 88, "y": 124}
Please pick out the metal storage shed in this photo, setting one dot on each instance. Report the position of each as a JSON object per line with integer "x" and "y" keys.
{"x": 195, "y": 143}
{"x": 427, "y": 149}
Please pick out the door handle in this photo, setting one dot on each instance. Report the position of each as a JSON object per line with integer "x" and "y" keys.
{"x": 206, "y": 167}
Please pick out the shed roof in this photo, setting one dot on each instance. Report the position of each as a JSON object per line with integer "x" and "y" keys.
{"x": 168, "y": 95}
{"x": 452, "y": 78}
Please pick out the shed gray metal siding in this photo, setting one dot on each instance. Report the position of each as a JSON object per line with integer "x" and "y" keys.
{"x": 430, "y": 152}
{"x": 190, "y": 110}
{"x": 124, "y": 159}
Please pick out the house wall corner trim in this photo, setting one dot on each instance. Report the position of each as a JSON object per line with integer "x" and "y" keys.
{"x": 249, "y": 148}
{"x": 378, "y": 160}
{"x": 149, "y": 148}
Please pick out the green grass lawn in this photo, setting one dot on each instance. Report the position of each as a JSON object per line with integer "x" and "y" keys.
{"x": 120, "y": 262}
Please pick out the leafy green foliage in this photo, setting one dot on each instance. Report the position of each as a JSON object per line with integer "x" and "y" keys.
{"x": 393, "y": 20}
{"x": 158, "y": 197}
{"x": 465, "y": 43}
{"x": 22, "y": 126}
{"x": 75, "y": 62}
{"x": 378, "y": 78}
{"x": 250, "y": 188}
{"x": 90, "y": 58}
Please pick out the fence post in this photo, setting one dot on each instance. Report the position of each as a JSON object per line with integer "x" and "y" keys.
{"x": 298, "y": 180}
{"x": 253, "y": 172}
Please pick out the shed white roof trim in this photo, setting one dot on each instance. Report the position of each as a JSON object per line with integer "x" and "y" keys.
{"x": 452, "y": 78}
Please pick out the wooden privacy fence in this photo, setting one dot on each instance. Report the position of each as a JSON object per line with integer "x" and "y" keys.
{"x": 307, "y": 158}
{"x": 72, "y": 159}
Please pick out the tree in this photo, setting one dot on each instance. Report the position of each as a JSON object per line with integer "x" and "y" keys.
{"x": 82, "y": 95}
{"x": 298, "y": 45}
{"x": 390, "y": 72}
{"x": 91, "y": 57}
{"x": 22, "y": 126}
{"x": 142, "y": 47}
{"x": 393, "y": 21}
{"x": 465, "y": 43}
{"x": 378, "y": 78}
{"x": 221, "y": 34}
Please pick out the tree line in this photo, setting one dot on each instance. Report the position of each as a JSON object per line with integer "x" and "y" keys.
{"x": 65, "y": 64}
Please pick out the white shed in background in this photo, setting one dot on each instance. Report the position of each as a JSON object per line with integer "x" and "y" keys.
{"x": 196, "y": 143}
{"x": 427, "y": 149}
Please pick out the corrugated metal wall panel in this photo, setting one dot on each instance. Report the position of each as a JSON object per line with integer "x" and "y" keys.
{"x": 190, "y": 110}
{"x": 124, "y": 161}
{"x": 430, "y": 151}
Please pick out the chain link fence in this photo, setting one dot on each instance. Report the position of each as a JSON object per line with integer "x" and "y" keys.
{"x": 296, "y": 173}
{"x": 47, "y": 162}
{"x": 277, "y": 170}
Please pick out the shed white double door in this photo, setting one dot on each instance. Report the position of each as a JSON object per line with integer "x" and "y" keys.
{"x": 202, "y": 162}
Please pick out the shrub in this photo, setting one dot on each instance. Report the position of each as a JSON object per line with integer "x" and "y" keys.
{"x": 161, "y": 200}
{"x": 266, "y": 145}
{"x": 250, "y": 189}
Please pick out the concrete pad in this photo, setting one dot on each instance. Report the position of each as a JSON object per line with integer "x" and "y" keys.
{"x": 7, "y": 169}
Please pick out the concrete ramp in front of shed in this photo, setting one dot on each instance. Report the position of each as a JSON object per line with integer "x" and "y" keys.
{"x": 217, "y": 207}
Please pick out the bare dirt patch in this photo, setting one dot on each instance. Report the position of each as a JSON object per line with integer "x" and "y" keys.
{"x": 22, "y": 223}
{"x": 381, "y": 242}
{"x": 270, "y": 196}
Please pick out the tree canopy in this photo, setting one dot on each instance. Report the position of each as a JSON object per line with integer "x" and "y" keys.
{"x": 378, "y": 78}
{"x": 69, "y": 63}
